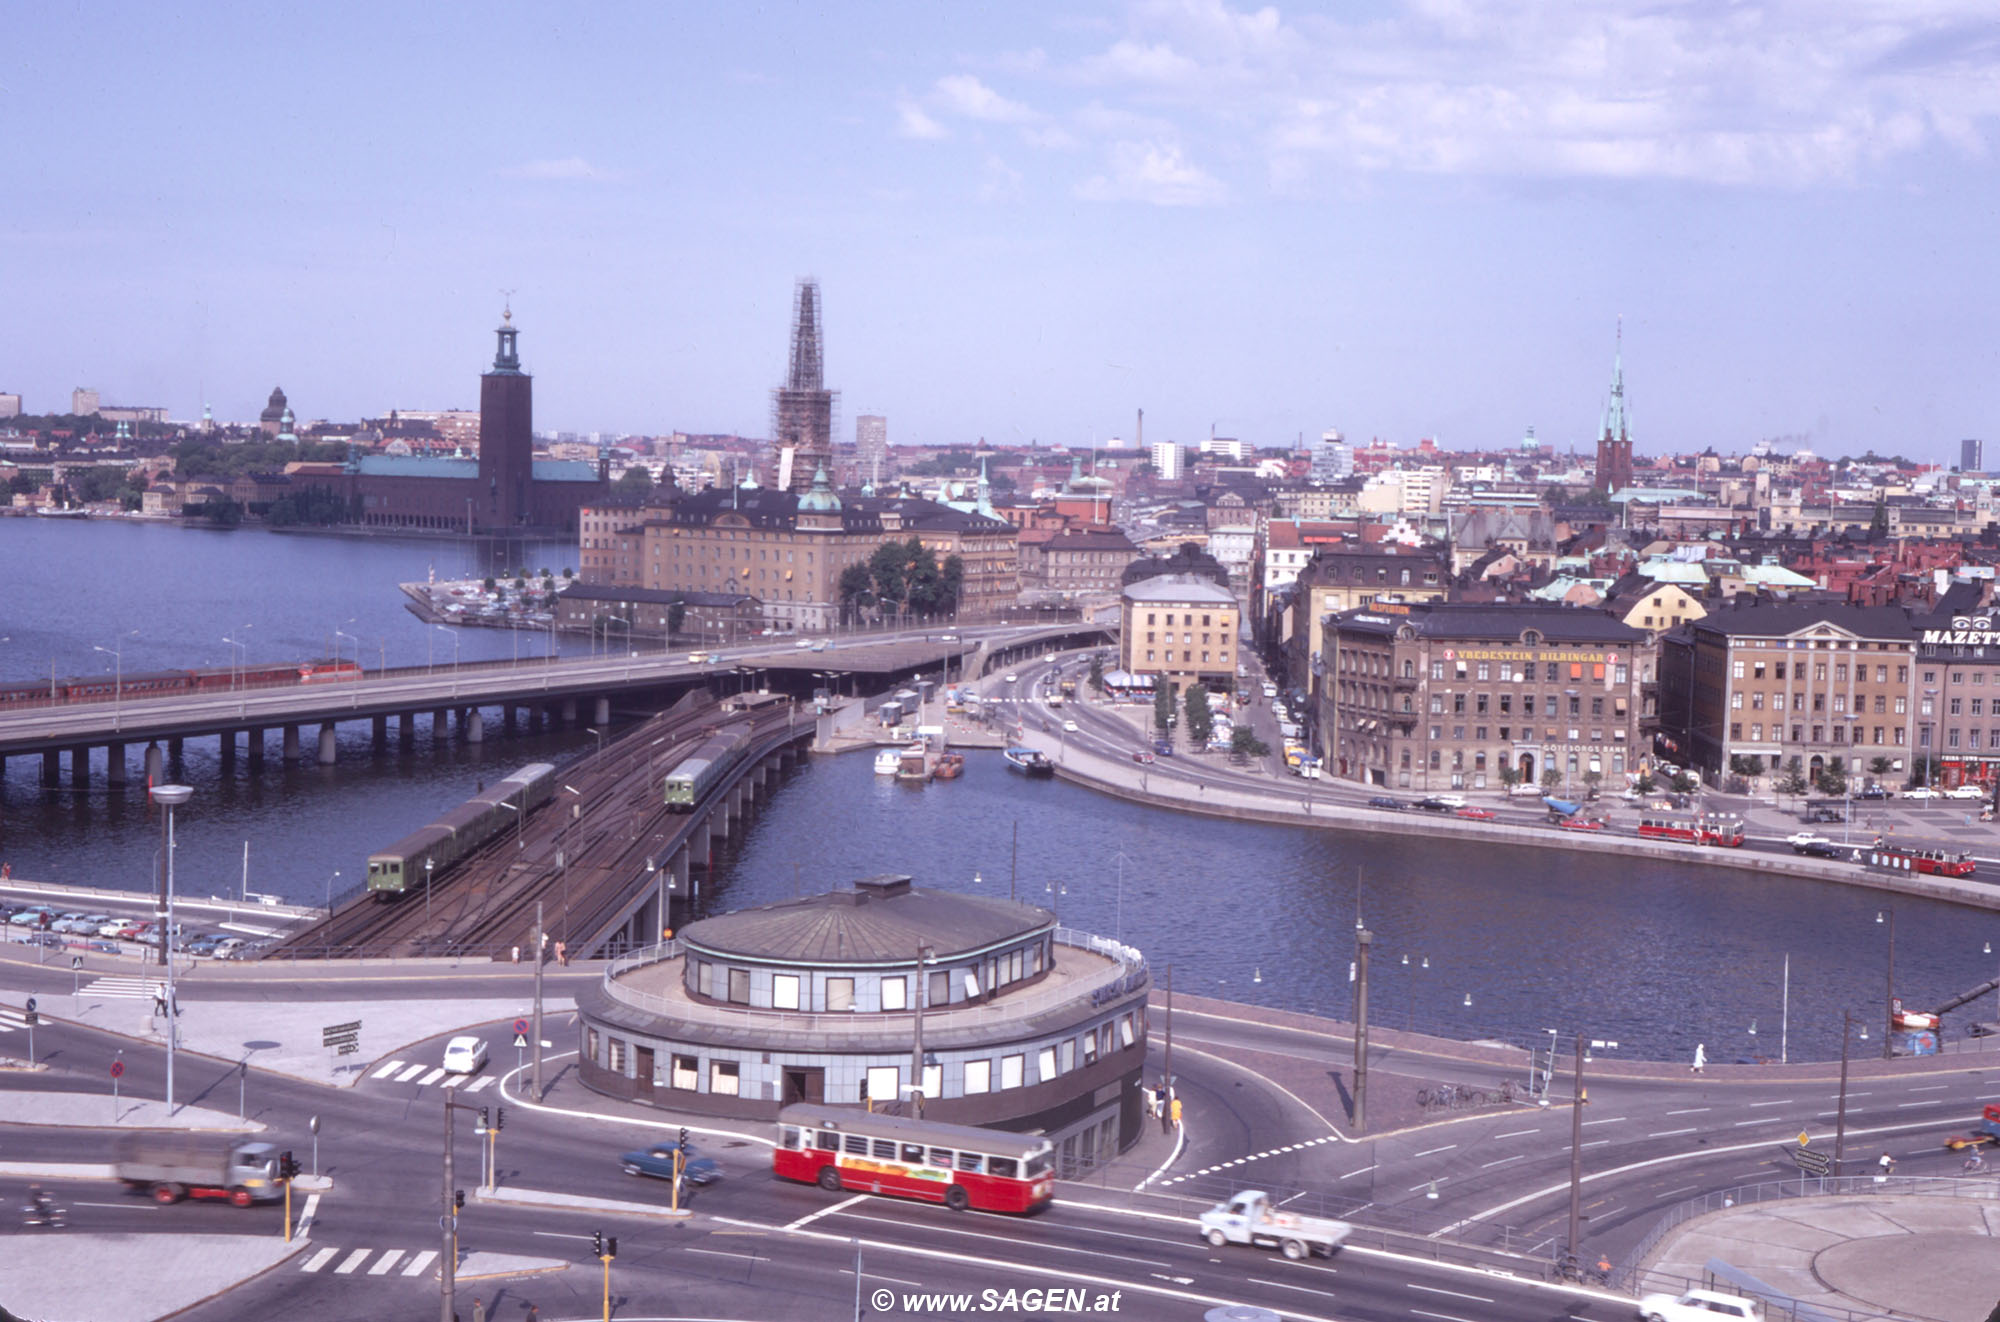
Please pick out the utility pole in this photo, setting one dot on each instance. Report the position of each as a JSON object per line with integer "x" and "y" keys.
{"x": 1840, "y": 1121}
{"x": 1363, "y": 940}
{"x": 1889, "y": 994}
{"x": 535, "y": 1080}
{"x": 917, "y": 1052}
{"x": 1576, "y": 1161}
{"x": 448, "y": 1227}
{"x": 1167, "y": 1082}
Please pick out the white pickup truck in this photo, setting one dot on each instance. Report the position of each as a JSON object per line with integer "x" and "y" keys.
{"x": 1249, "y": 1218}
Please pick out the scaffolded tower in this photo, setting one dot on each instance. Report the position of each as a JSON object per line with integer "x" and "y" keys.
{"x": 802, "y": 408}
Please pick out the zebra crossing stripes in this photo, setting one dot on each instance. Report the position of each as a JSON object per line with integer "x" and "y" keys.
{"x": 387, "y": 1069}
{"x": 135, "y": 988}
{"x": 410, "y": 1072}
{"x": 12, "y": 1019}
{"x": 389, "y": 1262}
{"x": 1255, "y": 1156}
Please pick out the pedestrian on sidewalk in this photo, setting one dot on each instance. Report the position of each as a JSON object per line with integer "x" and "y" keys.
{"x": 1700, "y": 1058}
{"x": 478, "y": 1309}
{"x": 1176, "y": 1104}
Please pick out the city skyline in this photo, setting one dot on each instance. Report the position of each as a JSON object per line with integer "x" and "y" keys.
{"x": 1423, "y": 222}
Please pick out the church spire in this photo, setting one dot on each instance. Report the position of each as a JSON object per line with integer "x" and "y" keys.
{"x": 1614, "y": 411}
{"x": 507, "y": 358}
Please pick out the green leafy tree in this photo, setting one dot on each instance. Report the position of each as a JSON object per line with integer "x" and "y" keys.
{"x": 635, "y": 482}
{"x": 1097, "y": 672}
{"x": 1792, "y": 780}
{"x": 1684, "y": 783}
{"x": 1163, "y": 708}
{"x": 1878, "y": 523}
{"x": 1879, "y": 767}
{"x": 1551, "y": 777}
{"x": 491, "y": 583}
{"x": 1833, "y": 777}
{"x": 1510, "y": 776}
{"x": 1243, "y": 742}
{"x": 856, "y": 587}
{"x": 1645, "y": 784}
{"x": 1200, "y": 716}
{"x": 1752, "y": 765}
{"x": 1592, "y": 780}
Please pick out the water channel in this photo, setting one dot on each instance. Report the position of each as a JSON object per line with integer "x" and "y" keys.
{"x": 1655, "y": 955}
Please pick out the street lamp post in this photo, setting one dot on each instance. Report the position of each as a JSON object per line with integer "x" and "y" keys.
{"x": 339, "y": 634}
{"x": 1889, "y": 989}
{"x": 329, "y": 891}
{"x": 427, "y": 898}
{"x": 117, "y": 654}
{"x": 454, "y": 645}
{"x": 169, "y": 797}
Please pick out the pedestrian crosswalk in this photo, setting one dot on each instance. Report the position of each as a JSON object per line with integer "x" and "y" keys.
{"x": 11, "y": 1020}
{"x": 402, "y": 1071}
{"x": 349, "y": 1262}
{"x": 135, "y": 988}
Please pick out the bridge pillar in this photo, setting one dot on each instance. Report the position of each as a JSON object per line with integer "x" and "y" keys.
{"x": 114, "y": 766}
{"x": 155, "y": 765}
{"x": 174, "y": 748}
{"x": 537, "y": 716}
{"x": 288, "y": 749}
{"x": 380, "y": 731}
{"x": 256, "y": 748}
{"x": 509, "y": 718}
{"x": 329, "y": 749}
{"x": 226, "y": 746}
{"x": 569, "y": 711}
{"x": 603, "y": 717}
{"x": 79, "y": 767}
{"x": 475, "y": 726}
{"x": 440, "y": 723}
{"x": 406, "y": 730}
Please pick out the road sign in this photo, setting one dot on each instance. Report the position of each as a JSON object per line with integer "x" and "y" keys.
{"x": 31, "y": 1005}
{"x": 76, "y": 961}
{"x": 1812, "y": 1161}
{"x": 520, "y": 1039}
{"x": 117, "y": 1069}
{"x": 346, "y": 1038}
{"x": 520, "y": 1027}
{"x": 1804, "y": 1138}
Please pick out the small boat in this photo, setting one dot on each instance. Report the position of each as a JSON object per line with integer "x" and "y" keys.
{"x": 63, "y": 512}
{"x": 1029, "y": 761}
{"x": 950, "y": 766}
{"x": 915, "y": 765}
{"x": 887, "y": 761}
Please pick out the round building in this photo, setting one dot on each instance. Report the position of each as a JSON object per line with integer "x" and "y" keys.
{"x": 982, "y": 1011}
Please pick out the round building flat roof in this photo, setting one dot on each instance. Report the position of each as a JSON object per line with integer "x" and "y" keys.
{"x": 881, "y": 920}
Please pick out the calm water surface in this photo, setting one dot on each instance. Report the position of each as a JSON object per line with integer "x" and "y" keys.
{"x": 1657, "y": 956}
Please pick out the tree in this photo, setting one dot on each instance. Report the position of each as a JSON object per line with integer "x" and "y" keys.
{"x": 1645, "y": 784}
{"x": 1879, "y": 766}
{"x": 1591, "y": 781}
{"x": 1097, "y": 671}
{"x": 1200, "y": 717}
{"x": 635, "y": 482}
{"x": 1684, "y": 783}
{"x": 1163, "y": 708}
{"x": 1878, "y": 523}
{"x": 1792, "y": 780}
{"x": 1551, "y": 777}
{"x": 491, "y": 583}
{"x": 1833, "y": 777}
{"x": 857, "y": 591}
{"x": 1750, "y": 765}
{"x": 1243, "y": 742}
{"x": 1510, "y": 776}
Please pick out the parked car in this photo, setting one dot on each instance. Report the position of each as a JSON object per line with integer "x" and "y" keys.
{"x": 32, "y": 916}
{"x": 1875, "y": 792}
{"x": 1163, "y": 748}
{"x": 465, "y": 1054}
{"x": 1697, "y": 1306}
{"x": 1476, "y": 814}
{"x": 1965, "y": 792}
{"x": 228, "y": 947}
{"x": 1922, "y": 793}
{"x": 119, "y": 929}
{"x": 204, "y": 944}
{"x": 1384, "y": 801}
{"x": 658, "y": 1162}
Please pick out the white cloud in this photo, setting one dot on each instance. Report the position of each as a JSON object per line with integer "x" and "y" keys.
{"x": 1155, "y": 172}
{"x": 567, "y": 167}
{"x": 963, "y": 94}
{"x": 913, "y": 122}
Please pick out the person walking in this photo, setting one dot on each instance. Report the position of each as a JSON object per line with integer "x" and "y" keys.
{"x": 1700, "y": 1058}
{"x": 1176, "y": 1105}
{"x": 478, "y": 1309}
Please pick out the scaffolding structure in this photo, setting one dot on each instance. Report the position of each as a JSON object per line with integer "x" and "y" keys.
{"x": 802, "y": 408}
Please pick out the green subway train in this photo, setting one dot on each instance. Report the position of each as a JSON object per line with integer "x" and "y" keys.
{"x": 401, "y": 867}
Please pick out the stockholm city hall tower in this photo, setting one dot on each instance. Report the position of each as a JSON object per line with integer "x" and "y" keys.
{"x": 506, "y": 435}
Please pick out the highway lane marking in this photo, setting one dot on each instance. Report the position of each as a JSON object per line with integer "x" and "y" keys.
{"x": 1671, "y": 1133}
{"x": 1928, "y": 1101}
{"x": 387, "y": 1070}
{"x": 385, "y": 1262}
{"x": 1287, "y": 1285}
{"x": 558, "y": 1234}
{"x": 317, "y": 1260}
{"x": 1363, "y": 1171}
{"x": 1446, "y": 1179}
{"x": 421, "y": 1261}
{"x": 1517, "y": 1133}
{"x": 981, "y": 1234}
{"x": 1607, "y": 1120}
{"x": 1930, "y": 1087}
{"x": 724, "y": 1253}
{"x": 1786, "y": 1102}
{"x": 1519, "y": 1156}
{"x": 1598, "y": 1143}
{"x": 1456, "y": 1294}
{"x": 877, "y": 1276}
{"x": 1692, "y": 1110}
{"x": 1445, "y": 1317}
{"x": 410, "y": 1073}
{"x": 829, "y": 1210}
{"x": 121, "y": 1207}
{"x": 354, "y": 1259}
{"x": 1740, "y": 1123}
{"x": 1684, "y": 1189}
{"x": 1428, "y": 1151}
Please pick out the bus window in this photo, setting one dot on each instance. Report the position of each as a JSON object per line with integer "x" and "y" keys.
{"x": 885, "y": 1149}
{"x": 857, "y": 1145}
{"x": 969, "y": 1161}
{"x": 913, "y": 1154}
{"x": 941, "y": 1157}
{"x": 1038, "y": 1163}
{"x": 788, "y": 1135}
{"x": 1005, "y": 1167}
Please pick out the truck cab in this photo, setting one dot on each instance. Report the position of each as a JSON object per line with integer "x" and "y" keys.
{"x": 1249, "y": 1218}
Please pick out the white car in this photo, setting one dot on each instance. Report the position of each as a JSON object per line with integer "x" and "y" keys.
{"x": 1799, "y": 838}
{"x": 803, "y": 644}
{"x": 1010, "y": 678}
{"x": 1921, "y": 793}
{"x": 465, "y": 1055}
{"x": 1965, "y": 792}
{"x": 1697, "y": 1306}
{"x": 1069, "y": 726}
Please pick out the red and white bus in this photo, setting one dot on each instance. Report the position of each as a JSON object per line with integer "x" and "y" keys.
{"x": 1715, "y": 828}
{"x": 1941, "y": 862}
{"x": 961, "y": 1166}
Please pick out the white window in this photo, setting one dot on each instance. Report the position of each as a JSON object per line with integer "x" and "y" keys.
{"x": 1045, "y": 1064}
{"x": 839, "y": 994}
{"x": 785, "y": 991}
{"x": 1068, "y": 1054}
{"x": 894, "y": 990}
{"x": 883, "y": 1081}
{"x": 1010, "y": 1070}
{"x": 722, "y": 1077}
{"x": 933, "y": 1080}
{"x": 972, "y": 984}
{"x": 978, "y": 1076}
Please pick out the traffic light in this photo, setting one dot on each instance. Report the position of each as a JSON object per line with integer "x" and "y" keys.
{"x": 611, "y": 1247}
{"x": 684, "y": 1136}
{"x": 499, "y": 1117}
{"x": 458, "y": 1200}
{"x": 483, "y": 1125}
{"x": 288, "y": 1166}
{"x": 597, "y": 1244}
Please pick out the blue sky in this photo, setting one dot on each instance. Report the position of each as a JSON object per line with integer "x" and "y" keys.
{"x": 1398, "y": 219}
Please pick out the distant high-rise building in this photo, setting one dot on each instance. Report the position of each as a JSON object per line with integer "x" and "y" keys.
{"x": 83, "y": 401}
{"x": 1332, "y": 458}
{"x": 1614, "y": 446}
{"x": 871, "y": 446}
{"x": 10, "y": 405}
{"x": 802, "y": 408}
{"x": 1167, "y": 459}
{"x": 1972, "y": 455}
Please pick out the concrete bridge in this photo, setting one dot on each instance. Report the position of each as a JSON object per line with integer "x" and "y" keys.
{"x": 564, "y": 690}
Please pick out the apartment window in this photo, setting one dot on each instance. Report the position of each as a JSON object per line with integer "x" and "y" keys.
{"x": 1045, "y": 1064}
{"x": 1878, "y": 734}
{"x": 686, "y": 1073}
{"x": 1756, "y": 670}
{"x": 1735, "y": 730}
{"x": 1819, "y": 672}
{"x": 895, "y": 993}
{"x": 1778, "y": 670}
{"x": 1480, "y": 704}
{"x": 1756, "y": 732}
{"x": 739, "y": 986}
{"x": 1735, "y": 667}
{"x": 723, "y": 1077}
{"x": 1756, "y": 702}
{"x": 839, "y": 995}
{"x": 1819, "y": 734}
{"x": 1484, "y": 670}
{"x": 785, "y": 991}
{"x": 1506, "y": 704}
{"x": 1458, "y": 704}
{"x": 1951, "y": 737}
{"x": 1736, "y": 701}
{"x": 1977, "y": 703}
{"x": 978, "y": 1076}
{"x": 1840, "y": 673}
{"x": 1437, "y": 670}
{"x": 1881, "y": 674}
{"x": 1010, "y": 1070}
{"x": 1955, "y": 704}
{"x": 1621, "y": 674}
{"x": 1879, "y": 704}
{"x": 617, "y": 1058}
{"x": 1552, "y": 672}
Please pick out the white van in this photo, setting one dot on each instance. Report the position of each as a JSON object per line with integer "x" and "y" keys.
{"x": 465, "y": 1055}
